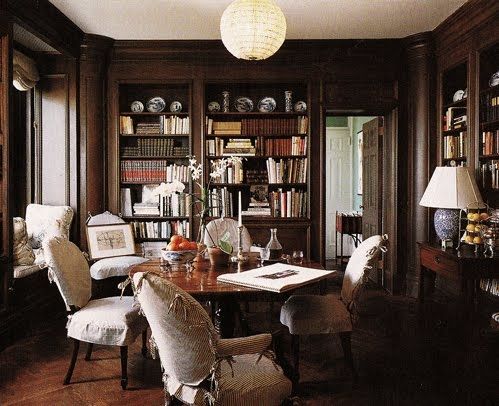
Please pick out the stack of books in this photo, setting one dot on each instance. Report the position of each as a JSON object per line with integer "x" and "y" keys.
{"x": 239, "y": 146}
{"x": 454, "y": 118}
{"x": 223, "y": 127}
{"x": 146, "y": 209}
{"x": 148, "y": 128}
{"x": 126, "y": 125}
{"x": 259, "y": 201}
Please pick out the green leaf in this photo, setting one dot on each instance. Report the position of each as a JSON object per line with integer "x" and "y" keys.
{"x": 225, "y": 246}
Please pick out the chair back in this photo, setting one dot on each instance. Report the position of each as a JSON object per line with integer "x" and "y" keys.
{"x": 69, "y": 269}
{"x": 181, "y": 328}
{"x": 217, "y": 228}
{"x": 363, "y": 258}
{"x": 44, "y": 221}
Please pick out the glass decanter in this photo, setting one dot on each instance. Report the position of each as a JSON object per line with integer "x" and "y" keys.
{"x": 274, "y": 246}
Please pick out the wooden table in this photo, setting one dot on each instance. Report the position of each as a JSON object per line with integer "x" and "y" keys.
{"x": 201, "y": 282}
{"x": 463, "y": 266}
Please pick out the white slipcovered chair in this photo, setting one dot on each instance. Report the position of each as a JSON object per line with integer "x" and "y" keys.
{"x": 107, "y": 321}
{"x": 199, "y": 367}
{"x": 217, "y": 228}
{"x": 328, "y": 314}
{"x": 115, "y": 266}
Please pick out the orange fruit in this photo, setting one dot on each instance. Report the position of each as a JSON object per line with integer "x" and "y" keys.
{"x": 193, "y": 245}
{"x": 176, "y": 238}
{"x": 184, "y": 245}
{"x": 171, "y": 246}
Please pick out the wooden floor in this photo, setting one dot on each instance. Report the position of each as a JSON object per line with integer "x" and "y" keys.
{"x": 402, "y": 359}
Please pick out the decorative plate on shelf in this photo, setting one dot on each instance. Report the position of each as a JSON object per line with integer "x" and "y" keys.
{"x": 300, "y": 106}
{"x": 458, "y": 96}
{"x": 494, "y": 79}
{"x": 176, "y": 107}
{"x": 266, "y": 105}
{"x": 213, "y": 106}
{"x": 137, "y": 107}
{"x": 156, "y": 104}
{"x": 243, "y": 104}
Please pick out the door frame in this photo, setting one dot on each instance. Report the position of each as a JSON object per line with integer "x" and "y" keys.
{"x": 392, "y": 279}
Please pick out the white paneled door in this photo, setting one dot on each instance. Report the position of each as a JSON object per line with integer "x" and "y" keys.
{"x": 338, "y": 184}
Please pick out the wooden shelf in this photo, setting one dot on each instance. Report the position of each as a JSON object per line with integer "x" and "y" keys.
{"x": 454, "y": 131}
{"x": 460, "y": 159}
{"x": 258, "y": 114}
{"x": 488, "y": 157}
{"x": 145, "y": 157}
{"x": 148, "y": 182}
{"x": 270, "y": 219}
{"x": 459, "y": 103}
{"x": 148, "y": 113}
{"x": 489, "y": 124}
{"x": 165, "y": 218}
{"x": 257, "y": 184}
{"x": 254, "y": 136}
{"x": 154, "y": 135}
{"x": 256, "y": 156}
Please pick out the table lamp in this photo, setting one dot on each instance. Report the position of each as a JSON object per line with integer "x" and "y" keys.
{"x": 450, "y": 189}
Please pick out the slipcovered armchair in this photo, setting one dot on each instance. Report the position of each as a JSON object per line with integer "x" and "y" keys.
{"x": 217, "y": 228}
{"x": 328, "y": 314}
{"x": 199, "y": 367}
{"x": 107, "y": 321}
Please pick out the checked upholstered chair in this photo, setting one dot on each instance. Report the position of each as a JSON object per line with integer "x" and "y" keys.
{"x": 200, "y": 368}
{"x": 328, "y": 314}
{"x": 107, "y": 321}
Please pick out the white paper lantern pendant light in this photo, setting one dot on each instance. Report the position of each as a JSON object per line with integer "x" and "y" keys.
{"x": 253, "y": 29}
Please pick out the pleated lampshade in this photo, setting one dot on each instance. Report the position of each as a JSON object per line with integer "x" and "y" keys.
{"x": 253, "y": 29}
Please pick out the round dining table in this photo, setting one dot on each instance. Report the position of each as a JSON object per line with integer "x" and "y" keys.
{"x": 200, "y": 281}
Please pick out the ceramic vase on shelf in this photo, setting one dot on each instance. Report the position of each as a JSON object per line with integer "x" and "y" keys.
{"x": 274, "y": 246}
{"x": 288, "y": 101}
{"x": 225, "y": 101}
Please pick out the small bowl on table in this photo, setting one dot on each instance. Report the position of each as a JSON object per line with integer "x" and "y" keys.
{"x": 178, "y": 259}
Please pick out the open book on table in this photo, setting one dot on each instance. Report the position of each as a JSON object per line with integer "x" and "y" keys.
{"x": 276, "y": 277}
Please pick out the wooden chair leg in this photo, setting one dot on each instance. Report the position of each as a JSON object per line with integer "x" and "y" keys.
{"x": 346, "y": 343}
{"x": 144, "y": 343}
{"x": 295, "y": 350}
{"x": 90, "y": 347}
{"x": 124, "y": 375}
{"x": 69, "y": 374}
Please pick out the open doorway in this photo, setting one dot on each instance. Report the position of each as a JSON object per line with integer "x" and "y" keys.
{"x": 344, "y": 186}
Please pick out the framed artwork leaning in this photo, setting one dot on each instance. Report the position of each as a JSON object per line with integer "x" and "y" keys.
{"x": 110, "y": 240}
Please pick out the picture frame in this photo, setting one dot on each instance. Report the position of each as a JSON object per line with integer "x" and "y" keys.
{"x": 360, "y": 145}
{"x": 110, "y": 240}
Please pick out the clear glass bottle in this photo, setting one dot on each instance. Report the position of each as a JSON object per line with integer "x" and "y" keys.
{"x": 274, "y": 246}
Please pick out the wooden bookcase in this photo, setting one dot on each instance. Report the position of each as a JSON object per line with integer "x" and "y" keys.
{"x": 455, "y": 142}
{"x": 153, "y": 148}
{"x": 275, "y": 147}
{"x": 488, "y": 137}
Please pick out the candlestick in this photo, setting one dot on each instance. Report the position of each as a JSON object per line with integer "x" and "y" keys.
{"x": 240, "y": 255}
{"x": 240, "y": 222}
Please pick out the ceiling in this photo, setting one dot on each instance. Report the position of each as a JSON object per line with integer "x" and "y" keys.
{"x": 306, "y": 19}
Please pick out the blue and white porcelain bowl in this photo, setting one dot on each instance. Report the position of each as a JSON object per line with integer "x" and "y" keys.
{"x": 176, "y": 258}
{"x": 176, "y": 107}
{"x": 155, "y": 104}
{"x": 266, "y": 105}
{"x": 300, "y": 106}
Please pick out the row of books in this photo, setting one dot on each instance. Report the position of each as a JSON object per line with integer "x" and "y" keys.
{"x": 155, "y": 147}
{"x": 490, "y": 285}
{"x": 258, "y": 126}
{"x": 257, "y": 176}
{"x": 455, "y": 146}
{"x": 153, "y": 171}
{"x": 175, "y": 205}
{"x": 232, "y": 174}
{"x": 285, "y": 146}
{"x": 489, "y": 173}
{"x": 160, "y": 229}
{"x": 165, "y": 125}
{"x": 454, "y": 118}
{"x": 290, "y": 170}
{"x": 490, "y": 142}
{"x": 221, "y": 203}
{"x": 489, "y": 107}
{"x": 289, "y": 203}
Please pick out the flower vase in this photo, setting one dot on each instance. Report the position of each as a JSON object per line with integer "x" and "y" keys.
{"x": 218, "y": 258}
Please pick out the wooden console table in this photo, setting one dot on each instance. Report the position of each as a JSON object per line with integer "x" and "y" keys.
{"x": 462, "y": 266}
{"x": 349, "y": 224}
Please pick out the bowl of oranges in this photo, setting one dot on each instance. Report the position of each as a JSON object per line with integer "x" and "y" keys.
{"x": 179, "y": 251}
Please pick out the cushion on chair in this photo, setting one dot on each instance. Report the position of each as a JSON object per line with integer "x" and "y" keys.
{"x": 115, "y": 266}
{"x": 107, "y": 321}
{"x": 69, "y": 268}
{"x": 217, "y": 228}
{"x": 313, "y": 314}
{"x": 47, "y": 221}
{"x": 22, "y": 250}
{"x": 363, "y": 258}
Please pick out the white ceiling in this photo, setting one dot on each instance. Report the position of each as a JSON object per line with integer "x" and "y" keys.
{"x": 306, "y": 19}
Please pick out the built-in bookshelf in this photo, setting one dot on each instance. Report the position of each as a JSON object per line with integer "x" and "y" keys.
{"x": 488, "y": 140}
{"x": 454, "y": 116}
{"x": 273, "y": 177}
{"x": 154, "y": 141}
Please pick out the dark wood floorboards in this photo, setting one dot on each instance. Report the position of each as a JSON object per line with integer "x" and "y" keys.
{"x": 402, "y": 359}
